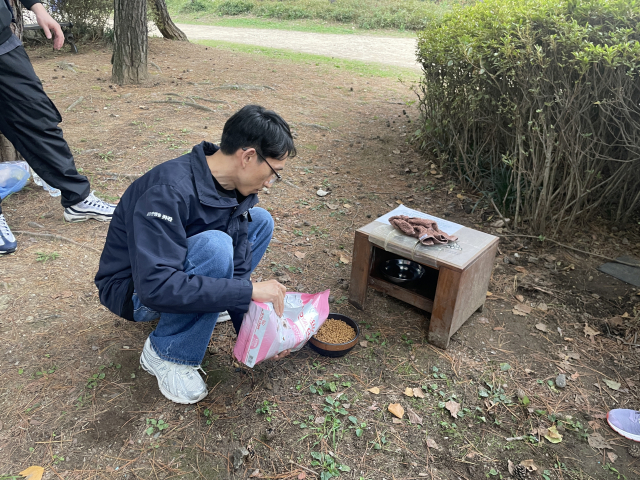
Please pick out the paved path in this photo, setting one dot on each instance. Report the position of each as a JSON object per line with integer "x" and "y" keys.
{"x": 367, "y": 48}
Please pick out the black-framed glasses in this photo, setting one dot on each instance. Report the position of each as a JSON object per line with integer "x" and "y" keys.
{"x": 278, "y": 177}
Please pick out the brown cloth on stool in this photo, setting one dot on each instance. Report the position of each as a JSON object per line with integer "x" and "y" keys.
{"x": 423, "y": 229}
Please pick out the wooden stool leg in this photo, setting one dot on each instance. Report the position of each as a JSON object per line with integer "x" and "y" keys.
{"x": 360, "y": 267}
{"x": 444, "y": 308}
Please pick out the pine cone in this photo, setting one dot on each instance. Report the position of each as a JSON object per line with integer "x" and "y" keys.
{"x": 520, "y": 472}
{"x": 634, "y": 451}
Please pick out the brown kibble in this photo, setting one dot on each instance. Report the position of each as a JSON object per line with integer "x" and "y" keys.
{"x": 335, "y": 331}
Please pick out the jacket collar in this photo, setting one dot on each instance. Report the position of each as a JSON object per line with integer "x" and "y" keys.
{"x": 206, "y": 189}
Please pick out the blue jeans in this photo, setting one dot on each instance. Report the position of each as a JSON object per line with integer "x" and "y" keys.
{"x": 183, "y": 338}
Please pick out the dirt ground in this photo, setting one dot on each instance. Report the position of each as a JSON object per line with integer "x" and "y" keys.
{"x": 74, "y": 400}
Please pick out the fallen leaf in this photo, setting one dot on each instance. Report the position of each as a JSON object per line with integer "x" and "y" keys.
{"x": 453, "y": 407}
{"x": 460, "y": 196}
{"x": 300, "y": 255}
{"x": 590, "y": 332}
{"x": 612, "y": 456}
{"x": 396, "y": 420}
{"x": 527, "y": 370}
{"x": 542, "y": 327}
{"x": 510, "y": 467}
{"x": 256, "y": 473}
{"x": 374, "y": 407}
{"x": 518, "y": 312}
{"x": 489, "y": 294}
{"x": 552, "y": 435}
{"x": 594, "y": 424}
{"x": 396, "y": 409}
{"x": 344, "y": 259}
{"x": 417, "y": 392}
{"x": 364, "y": 344}
{"x": 523, "y": 307}
{"x": 612, "y": 385}
{"x": 574, "y": 376}
{"x": 431, "y": 443}
{"x": 483, "y": 320}
{"x": 346, "y": 205}
{"x": 542, "y": 307}
{"x": 330, "y": 206}
{"x": 597, "y": 441}
{"x": 408, "y": 392}
{"x": 520, "y": 298}
{"x": 396, "y": 152}
{"x": 497, "y": 329}
{"x": 374, "y": 390}
{"x": 616, "y": 322}
{"x": 34, "y": 472}
{"x": 573, "y": 355}
{"x": 414, "y": 417}
{"x": 521, "y": 269}
{"x": 529, "y": 465}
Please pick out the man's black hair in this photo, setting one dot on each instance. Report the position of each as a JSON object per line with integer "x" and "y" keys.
{"x": 255, "y": 126}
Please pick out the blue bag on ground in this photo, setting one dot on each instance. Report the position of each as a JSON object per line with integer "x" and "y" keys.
{"x": 13, "y": 176}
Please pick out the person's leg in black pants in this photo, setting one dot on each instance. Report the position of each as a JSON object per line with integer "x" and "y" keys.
{"x": 29, "y": 120}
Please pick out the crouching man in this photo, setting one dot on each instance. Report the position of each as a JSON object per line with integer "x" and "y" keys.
{"x": 184, "y": 240}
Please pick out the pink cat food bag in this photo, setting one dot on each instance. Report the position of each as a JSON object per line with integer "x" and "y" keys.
{"x": 263, "y": 334}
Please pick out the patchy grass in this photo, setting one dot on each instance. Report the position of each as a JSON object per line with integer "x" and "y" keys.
{"x": 353, "y": 66}
{"x": 364, "y": 14}
{"x": 301, "y": 25}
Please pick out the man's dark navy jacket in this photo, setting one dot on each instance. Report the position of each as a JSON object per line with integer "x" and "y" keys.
{"x": 147, "y": 242}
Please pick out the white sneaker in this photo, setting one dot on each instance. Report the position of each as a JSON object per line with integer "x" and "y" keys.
{"x": 179, "y": 383}
{"x": 223, "y": 317}
{"x": 90, "y": 207}
{"x": 8, "y": 242}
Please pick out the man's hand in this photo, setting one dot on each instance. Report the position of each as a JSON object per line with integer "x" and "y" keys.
{"x": 282, "y": 354}
{"x": 48, "y": 24}
{"x": 270, "y": 291}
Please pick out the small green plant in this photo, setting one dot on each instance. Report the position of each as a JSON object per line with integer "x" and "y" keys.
{"x": 267, "y": 408}
{"x": 380, "y": 442}
{"x": 610, "y": 468}
{"x": 406, "y": 339}
{"x": 357, "y": 426}
{"x": 106, "y": 157}
{"x": 154, "y": 424}
{"x": 328, "y": 465}
{"x": 57, "y": 459}
{"x": 341, "y": 300}
{"x": 44, "y": 256}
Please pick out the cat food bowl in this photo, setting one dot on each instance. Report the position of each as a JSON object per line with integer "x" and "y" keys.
{"x": 332, "y": 329}
{"x": 400, "y": 270}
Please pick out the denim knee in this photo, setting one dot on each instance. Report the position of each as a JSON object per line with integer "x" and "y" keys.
{"x": 261, "y": 219}
{"x": 211, "y": 254}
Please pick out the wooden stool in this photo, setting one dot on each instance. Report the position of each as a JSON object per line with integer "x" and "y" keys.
{"x": 455, "y": 282}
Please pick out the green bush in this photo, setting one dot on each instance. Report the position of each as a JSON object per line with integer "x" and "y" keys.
{"x": 196, "y": 6}
{"x": 89, "y": 17}
{"x": 234, "y": 7}
{"x": 535, "y": 103}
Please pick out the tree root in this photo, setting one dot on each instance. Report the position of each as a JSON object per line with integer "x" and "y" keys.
{"x": 53, "y": 236}
{"x": 185, "y": 103}
{"x": 570, "y": 248}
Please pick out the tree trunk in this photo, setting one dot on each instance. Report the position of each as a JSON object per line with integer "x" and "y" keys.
{"x": 163, "y": 21}
{"x": 130, "y": 41}
{"x": 7, "y": 152}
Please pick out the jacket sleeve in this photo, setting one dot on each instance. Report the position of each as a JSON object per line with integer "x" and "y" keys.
{"x": 158, "y": 250}
{"x": 29, "y": 3}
